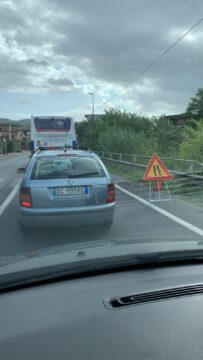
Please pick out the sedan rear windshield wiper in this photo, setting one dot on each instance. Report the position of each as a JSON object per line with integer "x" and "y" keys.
{"x": 83, "y": 174}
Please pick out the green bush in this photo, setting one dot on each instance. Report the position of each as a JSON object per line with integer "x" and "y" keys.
{"x": 13, "y": 146}
{"x": 192, "y": 144}
{"x": 1, "y": 146}
{"x": 125, "y": 141}
{"x": 25, "y": 144}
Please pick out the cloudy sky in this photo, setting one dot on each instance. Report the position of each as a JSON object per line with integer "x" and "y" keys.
{"x": 54, "y": 52}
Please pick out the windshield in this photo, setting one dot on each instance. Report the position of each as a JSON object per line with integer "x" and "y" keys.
{"x": 65, "y": 167}
{"x": 101, "y": 129}
{"x": 52, "y": 124}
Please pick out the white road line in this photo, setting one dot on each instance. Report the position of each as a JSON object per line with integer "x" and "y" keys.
{"x": 178, "y": 220}
{"x": 10, "y": 197}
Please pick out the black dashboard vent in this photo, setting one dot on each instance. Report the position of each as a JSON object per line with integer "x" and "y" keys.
{"x": 145, "y": 297}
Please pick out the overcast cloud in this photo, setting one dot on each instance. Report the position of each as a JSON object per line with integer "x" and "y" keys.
{"x": 60, "y": 50}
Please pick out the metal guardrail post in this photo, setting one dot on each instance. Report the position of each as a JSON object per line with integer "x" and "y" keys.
{"x": 190, "y": 168}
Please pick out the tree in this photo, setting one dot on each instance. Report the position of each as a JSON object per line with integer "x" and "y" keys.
{"x": 167, "y": 137}
{"x": 195, "y": 106}
{"x": 120, "y": 131}
{"x": 109, "y": 123}
{"x": 122, "y": 119}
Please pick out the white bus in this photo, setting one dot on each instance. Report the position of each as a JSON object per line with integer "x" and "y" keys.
{"x": 52, "y": 132}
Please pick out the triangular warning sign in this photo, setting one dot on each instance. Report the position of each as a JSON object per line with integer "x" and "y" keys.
{"x": 156, "y": 170}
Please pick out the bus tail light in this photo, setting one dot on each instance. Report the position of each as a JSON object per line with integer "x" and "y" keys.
{"x": 25, "y": 197}
{"x": 111, "y": 196}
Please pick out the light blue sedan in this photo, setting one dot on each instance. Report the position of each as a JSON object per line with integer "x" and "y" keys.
{"x": 66, "y": 188}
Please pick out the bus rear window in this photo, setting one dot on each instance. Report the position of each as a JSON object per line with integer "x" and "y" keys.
{"x": 52, "y": 124}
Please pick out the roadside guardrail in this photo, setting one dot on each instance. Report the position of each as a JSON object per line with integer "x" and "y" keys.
{"x": 178, "y": 167}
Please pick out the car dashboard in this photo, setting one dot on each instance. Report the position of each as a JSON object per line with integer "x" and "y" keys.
{"x": 148, "y": 313}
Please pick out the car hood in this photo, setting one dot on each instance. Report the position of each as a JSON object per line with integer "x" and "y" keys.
{"x": 107, "y": 248}
{"x": 94, "y": 256}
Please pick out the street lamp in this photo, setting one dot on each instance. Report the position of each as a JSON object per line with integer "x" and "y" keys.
{"x": 92, "y": 94}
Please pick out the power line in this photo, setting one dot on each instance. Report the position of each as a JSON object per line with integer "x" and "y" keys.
{"x": 157, "y": 59}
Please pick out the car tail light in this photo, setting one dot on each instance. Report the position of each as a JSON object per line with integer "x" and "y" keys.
{"x": 110, "y": 193}
{"x": 25, "y": 197}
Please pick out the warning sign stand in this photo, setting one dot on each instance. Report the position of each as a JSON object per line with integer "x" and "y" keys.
{"x": 159, "y": 191}
{"x": 157, "y": 174}
{"x": 158, "y": 185}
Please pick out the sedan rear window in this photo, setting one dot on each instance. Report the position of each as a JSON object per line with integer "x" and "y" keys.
{"x": 66, "y": 167}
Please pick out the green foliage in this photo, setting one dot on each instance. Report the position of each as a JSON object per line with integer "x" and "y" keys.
{"x": 193, "y": 124}
{"x": 138, "y": 123}
{"x": 13, "y": 145}
{"x": 125, "y": 141}
{"x": 117, "y": 131}
{"x": 132, "y": 173}
{"x": 195, "y": 106}
{"x": 86, "y": 135}
{"x": 123, "y": 132}
{"x": 24, "y": 144}
{"x": 167, "y": 137}
{"x": 1, "y": 146}
{"x": 192, "y": 144}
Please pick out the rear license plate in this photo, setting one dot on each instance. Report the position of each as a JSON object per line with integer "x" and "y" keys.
{"x": 70, "y": 190}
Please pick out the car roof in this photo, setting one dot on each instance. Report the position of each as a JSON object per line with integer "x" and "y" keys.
{"x": 50, "y": 153}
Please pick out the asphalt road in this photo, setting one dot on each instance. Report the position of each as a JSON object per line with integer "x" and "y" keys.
{"x": 133, "y": 220}
{"x": 8, "y": 173}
